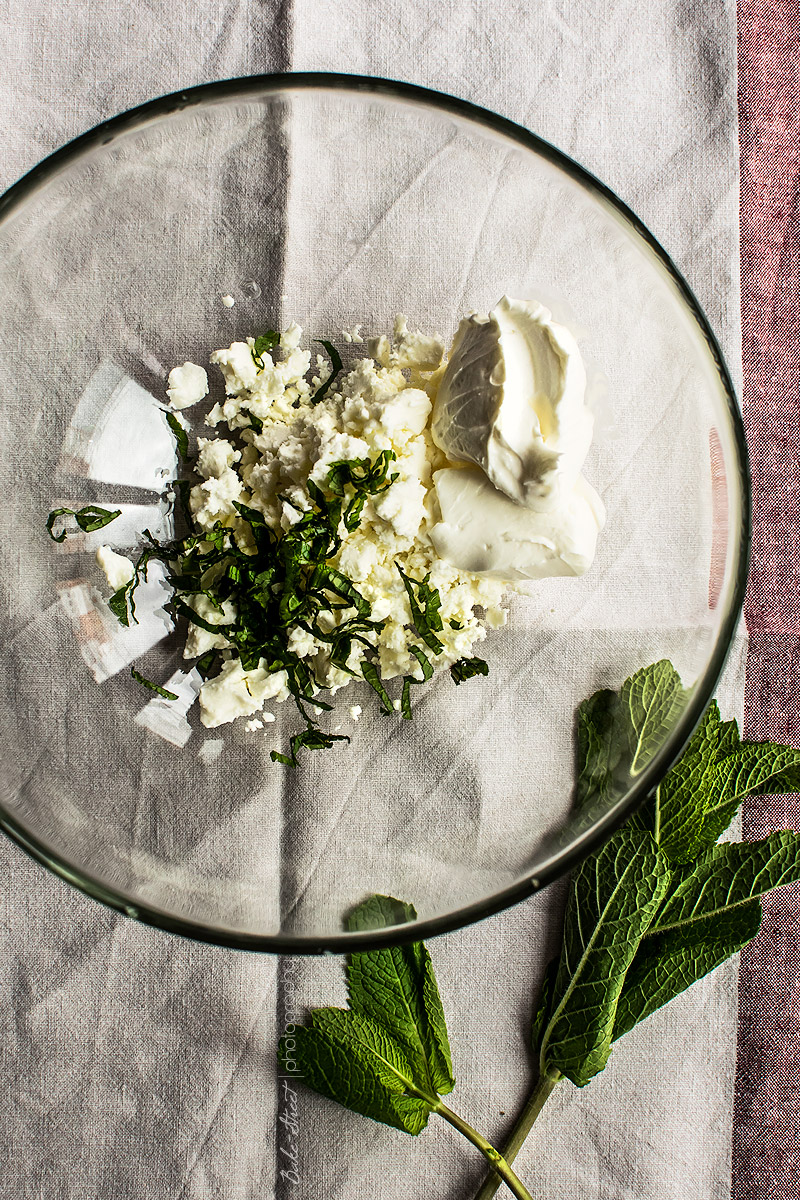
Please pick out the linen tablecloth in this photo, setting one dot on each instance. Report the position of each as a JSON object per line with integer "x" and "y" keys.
{"x": 136, "y": 1065}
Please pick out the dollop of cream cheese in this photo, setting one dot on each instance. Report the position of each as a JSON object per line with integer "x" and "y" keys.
{"x": 486, "y": 533}
{"x": 512, "y": 402}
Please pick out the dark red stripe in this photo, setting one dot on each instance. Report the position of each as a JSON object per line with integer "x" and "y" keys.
{"x": 766, "y": 1131}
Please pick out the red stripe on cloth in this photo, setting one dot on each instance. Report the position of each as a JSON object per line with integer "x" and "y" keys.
{"x": 766, "y": 1125}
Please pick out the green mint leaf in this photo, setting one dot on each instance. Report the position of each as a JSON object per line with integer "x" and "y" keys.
{"x": 701, "y": 795}
{"x": 425, "y": 603}
{"x": 183, "y": 487}
{"x": 262, "y": 345}
{"x": 336, "y": 366}
{"x": 311, "y": 738}
{"x": 352, "y": 1060}
{"x": 396, "y": 987}
{"x": 468, "y": 668}
{"x": 370, "y": 673}
{"x": 613, "y": 897}
{"x": 602, "y": 744}
{"x": 711, "y": 911}
{"x": 118, "y": 603}
{"x": 667, "y": 964}
{"x": 256, "y": 423}
{"x": 87, "y": 519}
{"x": 181, "y": 436}
{"x": 153, "y": 687}
{"x": 651, "y": 700}
{"x": 206, "y": 664}
{"x": 410, "y": 681}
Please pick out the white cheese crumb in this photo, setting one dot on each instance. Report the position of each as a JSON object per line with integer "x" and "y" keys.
{"x": 228, "y": 301}
{"x": 353, "y": 335}
{"x": 355, "y": 711}
{"x": 118, "y": 569}
{"x": 253, "y": 725}
{"x": 239, "y": 693}
{"x": 186, "y": 385}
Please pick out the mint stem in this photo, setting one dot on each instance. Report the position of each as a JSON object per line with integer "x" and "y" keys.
{"x": 533, "y": 1106}
{"x": 493, "y": 1157}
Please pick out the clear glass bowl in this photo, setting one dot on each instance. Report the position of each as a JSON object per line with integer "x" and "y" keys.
{"x": 335, "y": 200}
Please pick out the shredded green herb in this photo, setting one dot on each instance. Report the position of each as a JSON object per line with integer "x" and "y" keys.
{"x": 467, "y": 668}
{"x": 336, "y": 366}
{"x": 87, "y": 519}
{"x": 425, "y": 603}
{"x": 262, "y": 345}
{"x": 153, "y": 687}
{"x": 181, "y": 437}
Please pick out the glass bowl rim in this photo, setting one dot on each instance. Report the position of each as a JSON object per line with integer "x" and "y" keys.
{"x": 562, "y": 861}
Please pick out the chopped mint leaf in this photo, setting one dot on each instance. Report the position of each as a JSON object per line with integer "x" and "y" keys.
{"x": 370, "y": 673}
{"x": 262, "y": 345}
{"x": 206, "y": 664}
{"x": 118, "y": 603}
{"x": 181, "y": 437}
{"x": 336, "y": 366}
{"x": 425, "y": 603}
{"x": 467, "y": 668}
{"x": 87, "y": 519}
{"x": 311, "y": 738}
{"x": 409, "y": 680}
{"x": 153, "y": 687}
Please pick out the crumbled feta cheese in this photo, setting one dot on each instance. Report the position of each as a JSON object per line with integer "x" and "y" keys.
{"x": 118, "y": 569}
{"x": 228, "y": 301}
{"x": 200, "y": 641}
{"x": 186, "y": 385}
{"x": 352, "y": 335}
{"x": 215, "y": 457}
{"x": 355, "y": 711}
{"x": 239, "y": 693}
{"x": 254, "y": 724}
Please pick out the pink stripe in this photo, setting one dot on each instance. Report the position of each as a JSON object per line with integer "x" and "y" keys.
{"x": 766, "y": 1132}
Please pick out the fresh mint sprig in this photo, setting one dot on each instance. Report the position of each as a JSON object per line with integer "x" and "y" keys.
{"x": 662, "y": 903}
{"x": 386, "y": 1056}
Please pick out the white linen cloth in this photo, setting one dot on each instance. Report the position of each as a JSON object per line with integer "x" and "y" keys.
{"x": 135, "y": 1064}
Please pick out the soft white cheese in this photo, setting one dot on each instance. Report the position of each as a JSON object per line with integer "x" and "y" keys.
{"x": 118, "y": 569}
{"x": 484, "y": 532}
{"x": 228, "y": 301}
{"x": 512, "y": 401}
{"x": 200, "y": 641}
{"x": 239, "y": 693}
{"x": 413, "y": 349}
{"x": 186, "y": 385}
